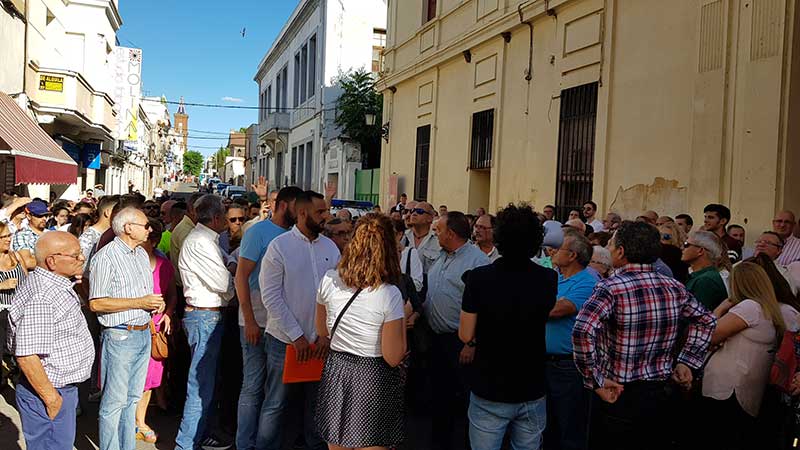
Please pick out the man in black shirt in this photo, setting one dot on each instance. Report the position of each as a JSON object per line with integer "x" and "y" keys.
{"x": 513, "y": 298}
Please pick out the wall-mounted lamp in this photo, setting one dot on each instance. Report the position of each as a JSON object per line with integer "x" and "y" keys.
{"x": 369, "y": 119}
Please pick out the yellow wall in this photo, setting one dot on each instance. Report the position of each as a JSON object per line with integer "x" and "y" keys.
{"x": 695, "y": 101}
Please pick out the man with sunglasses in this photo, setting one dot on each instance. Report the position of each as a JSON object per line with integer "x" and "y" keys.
{"x": 121, "y": 293}
{"x": 701, "y": 251}
{"x": 24, "y": 241}
{"x": 151, "y": 209}
{"x": 235, "y": 216}
{"x": 771, "y": 244}
{"x": 421, "y": 235}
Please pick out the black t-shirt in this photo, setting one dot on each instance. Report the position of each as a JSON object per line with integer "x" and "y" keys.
{"x": 512, "y": 300}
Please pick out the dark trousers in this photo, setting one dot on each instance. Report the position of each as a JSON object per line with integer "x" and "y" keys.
{"x": 736, "y": 427}
{"x": 568, "y": 405}
{"x": 638, "y": 420}
{"x": 40, "y": 432}
{"x": 450, "y": 393}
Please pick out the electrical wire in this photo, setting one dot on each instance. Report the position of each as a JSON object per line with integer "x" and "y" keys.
{"x": 214, "y": 105}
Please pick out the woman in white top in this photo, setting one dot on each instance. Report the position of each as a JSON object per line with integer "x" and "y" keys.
{"x": 360, "y": 309}
{"x": 749, "y": 327}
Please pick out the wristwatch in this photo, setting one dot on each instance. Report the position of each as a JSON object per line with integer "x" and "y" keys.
{"x": 472, "y": 343}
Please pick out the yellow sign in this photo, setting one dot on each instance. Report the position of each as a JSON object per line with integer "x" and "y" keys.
{"x": 51, "y": 83}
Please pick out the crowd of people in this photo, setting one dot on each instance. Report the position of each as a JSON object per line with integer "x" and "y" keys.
{"x": 511, "y": 329}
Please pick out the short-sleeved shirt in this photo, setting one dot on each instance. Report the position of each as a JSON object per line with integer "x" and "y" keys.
{"x": 512, "y": 300}
{"x": 163, "y": 245}
{"x": 428, "y": 248}
{"x": 46, "y": 320}
{"x": 446, "y": 287}
{"x": 24, "y": 239}
{"x": 120, "y": 272}
{"x": 361, "y": 327}
{"x": 707, "y": 287}
{"x": 576, "y": 289}
{"x": 254, "y": 244}
{"x": 88, "y": 240}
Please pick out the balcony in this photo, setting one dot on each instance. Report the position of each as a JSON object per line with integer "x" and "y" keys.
{"x": 67, "y": 97}
{"x": 275, "y": 131}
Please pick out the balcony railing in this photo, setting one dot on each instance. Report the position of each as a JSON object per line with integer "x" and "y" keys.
{"x": 276, "y": 122}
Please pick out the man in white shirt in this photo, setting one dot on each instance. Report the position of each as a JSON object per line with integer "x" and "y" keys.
{"x": 208, "y": 286}
{"x": 590, "y": 213}
{"x": 771, "y": 244}
{"x": 483, "y": 231}
{"x": 290, "y": 273}
{"x": 783, "y": 224}
{"x": 421, "y": 236}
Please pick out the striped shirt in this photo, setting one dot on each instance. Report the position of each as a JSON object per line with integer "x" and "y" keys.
{"x": 6, "y": 295}
{"x": 791, "y": 251}
{"x": 119, "y": 272}
{"x": 46, "y": 320}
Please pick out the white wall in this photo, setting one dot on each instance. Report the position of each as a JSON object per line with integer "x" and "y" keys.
{"x": 348, "y": 43}
{"x": 12, "y": 52}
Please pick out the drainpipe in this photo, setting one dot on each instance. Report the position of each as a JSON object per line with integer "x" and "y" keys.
{"x": 25, "y": 49}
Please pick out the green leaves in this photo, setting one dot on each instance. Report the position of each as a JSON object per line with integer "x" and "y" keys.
{"x": 192, "y": 162}
{"x": 358, "y": 99}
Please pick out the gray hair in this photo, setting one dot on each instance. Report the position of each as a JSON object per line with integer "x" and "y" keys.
{"x": 207, "y": 207}
{"x": 578, "y": 243}
{"x": 709, "y": 242}
{"x": 124, "y": 217}
{"x": 614, "y": 217}
{"x": 601, "y": 255}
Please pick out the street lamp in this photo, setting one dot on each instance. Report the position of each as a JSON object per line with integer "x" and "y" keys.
{"x": 370, "y": 119}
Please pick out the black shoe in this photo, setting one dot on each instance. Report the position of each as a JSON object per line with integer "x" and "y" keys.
{"x": 299, "y": 443}
{"x": 211, "y": 443}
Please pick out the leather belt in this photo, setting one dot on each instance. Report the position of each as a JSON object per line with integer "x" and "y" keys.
{"x": 203, "y": 308}
{"x": 132, "y": 327}
{"x": 554, "y": 357}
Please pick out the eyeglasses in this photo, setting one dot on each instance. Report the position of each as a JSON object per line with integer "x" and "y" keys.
{"x": 77, "y": 257}
{"x": 150, "y": 207}
{"x": 666, "y": 236}
{"x": 688, "y": 244}
{"x": 146, "y": 226}
{"x": 763, "y": 242}
{"x": 419, "y": 211}
{"x": 236, "y": 219}
{"x": 482, "y": 228}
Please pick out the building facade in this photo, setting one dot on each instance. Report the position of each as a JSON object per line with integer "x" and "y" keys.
{"x": 637, "y": 104}
{"x": 321, "y": 40}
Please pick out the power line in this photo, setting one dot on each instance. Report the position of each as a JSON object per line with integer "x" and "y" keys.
{"x": 258, "y": 108}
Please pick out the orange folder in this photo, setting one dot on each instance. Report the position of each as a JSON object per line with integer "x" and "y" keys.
{"x": 297, "y": 372}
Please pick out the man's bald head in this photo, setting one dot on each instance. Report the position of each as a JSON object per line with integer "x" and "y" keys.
{"x": 67, "y": 258}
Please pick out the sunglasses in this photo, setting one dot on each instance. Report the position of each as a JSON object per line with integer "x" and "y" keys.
{"x": 666, "y": 236}
{"x": 236, "y": 219}
{"x": 688, "y": 244}
{"x": 419, "y": 211}
{"x": 146, "y": 226}
{"x": 150, "y": 207}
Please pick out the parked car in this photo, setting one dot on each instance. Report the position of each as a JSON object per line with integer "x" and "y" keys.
{"x": 234, "y": 191}
{"x": 219, "y": 188}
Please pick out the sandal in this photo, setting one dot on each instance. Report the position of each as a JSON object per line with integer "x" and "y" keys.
{"x": 146, "y": 435}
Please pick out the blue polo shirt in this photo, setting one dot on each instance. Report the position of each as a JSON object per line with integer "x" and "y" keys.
{"x": 254, "y": 244}
{"x": 577, "y": 289}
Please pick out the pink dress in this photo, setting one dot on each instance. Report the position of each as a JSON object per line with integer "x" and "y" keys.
{"x": 163, "y": 275}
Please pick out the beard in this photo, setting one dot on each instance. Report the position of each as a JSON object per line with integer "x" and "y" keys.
{"x": 315, "y": 227}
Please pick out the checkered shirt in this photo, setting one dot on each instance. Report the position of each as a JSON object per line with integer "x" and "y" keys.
{"x": 627, "y": 329}
{"x": 24, "y": 239}
{"x": 45, "y": 319}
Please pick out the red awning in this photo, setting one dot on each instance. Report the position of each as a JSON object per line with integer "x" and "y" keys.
{"x": 37, "y": 157}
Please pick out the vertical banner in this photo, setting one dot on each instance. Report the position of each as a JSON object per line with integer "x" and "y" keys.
{"x": 127, "y": 91}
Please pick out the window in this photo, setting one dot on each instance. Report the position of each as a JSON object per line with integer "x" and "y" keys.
{"x": 301, "y": 182}
{"x": 429, "y": 10}
{"x": 285, "y": 94}
{"x": 378, "y": 45}
{"x": 308, "y": 166}
{"x": 576, "y": 133}
{"x": 480, "y": 156}
{"x": 261, "y": 114}
{"x": 421, "y": 164}
{"x": 279, "y": 92}
{"x": 279, "y": 170}
{"x": 303, "y": 74}
{"x": 297, "y": 79}
{"x": 267, "y": 100}
{"x": 312, "y": 66}
{"x": 293, "y": 171}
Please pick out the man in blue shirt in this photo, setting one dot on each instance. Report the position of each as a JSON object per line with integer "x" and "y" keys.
{"x": 567, "y": 400}
{"x": 253, "y": 314}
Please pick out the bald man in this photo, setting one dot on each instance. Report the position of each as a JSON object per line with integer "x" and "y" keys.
{"x": 421, "y": 235}
{"x": 783, "y": 224}
{"x": 51, "y": 342}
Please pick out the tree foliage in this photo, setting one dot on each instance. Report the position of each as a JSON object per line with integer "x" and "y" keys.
{"x": 219, "y": 158}
{"x": 358, "y": 99}
{"x": 192, "y": 162}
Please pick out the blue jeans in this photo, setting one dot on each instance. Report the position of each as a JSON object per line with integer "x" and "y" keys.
{"x": 204, "y": 331}
{"x": 40, "y": 432}
{"x": 276, "y": 402}
{"x": 254, "y": 372}
{"x": 489, "y": 420}
{"x": 568, "y": 404}
{"x": 123, "y": 367}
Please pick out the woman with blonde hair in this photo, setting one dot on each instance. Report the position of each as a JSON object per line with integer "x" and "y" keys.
{"x": 672, "y": 239}
{"x": 360, "y": 313}
{"x": 748, "y": 329}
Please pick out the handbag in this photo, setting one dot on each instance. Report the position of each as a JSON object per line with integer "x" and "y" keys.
{"x": 784, "y": 365}
{"x": 311, "y": 370}
{"x": 159, "y": 350}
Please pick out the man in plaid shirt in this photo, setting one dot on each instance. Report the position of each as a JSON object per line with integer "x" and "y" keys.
{"x": 623, "y": 340}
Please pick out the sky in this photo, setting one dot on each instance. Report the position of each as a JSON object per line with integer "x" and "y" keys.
{"x": 195, "y": 49}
